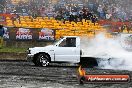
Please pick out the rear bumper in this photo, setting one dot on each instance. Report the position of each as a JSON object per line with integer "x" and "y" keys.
{"x": 30, "y": 58}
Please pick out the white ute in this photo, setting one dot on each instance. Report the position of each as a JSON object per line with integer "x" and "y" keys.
{"x": 67, "y": 49}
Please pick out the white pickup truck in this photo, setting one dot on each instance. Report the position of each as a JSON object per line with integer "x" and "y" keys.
{"x": 67, "y": 49}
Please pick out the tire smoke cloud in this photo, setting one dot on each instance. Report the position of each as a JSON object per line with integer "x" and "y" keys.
{"x": 110, "y": 53}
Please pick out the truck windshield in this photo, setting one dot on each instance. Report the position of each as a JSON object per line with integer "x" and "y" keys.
{"x": 57, "y": 41}
{"x": 68, "y": 42}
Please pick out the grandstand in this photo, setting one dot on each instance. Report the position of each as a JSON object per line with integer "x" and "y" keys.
{"x": 86, "y": 27}
{"x": 33, "y": 14}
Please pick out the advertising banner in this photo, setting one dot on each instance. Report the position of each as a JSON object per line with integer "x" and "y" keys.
{"x": 46, "y": 34}
{"x": 24, "y": 34}
{"x": 6, "y": 33}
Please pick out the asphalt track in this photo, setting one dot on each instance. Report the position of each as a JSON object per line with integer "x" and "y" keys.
{"x": 22, "y": 74}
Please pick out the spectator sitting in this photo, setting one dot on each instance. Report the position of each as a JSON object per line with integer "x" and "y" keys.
{"x": 94, "y": 19}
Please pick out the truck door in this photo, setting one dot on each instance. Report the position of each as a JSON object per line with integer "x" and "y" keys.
{"x": 68, "y": 51}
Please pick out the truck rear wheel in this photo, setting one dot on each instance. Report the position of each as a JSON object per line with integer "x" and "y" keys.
{"x": 42, "y": 60}
{"x": 88, "y": 62}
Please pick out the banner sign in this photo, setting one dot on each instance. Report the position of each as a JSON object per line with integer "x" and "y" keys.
{"x": 22, "y": 34}
{"x": 46, "y": 34}
{"x": 6, "y": 33}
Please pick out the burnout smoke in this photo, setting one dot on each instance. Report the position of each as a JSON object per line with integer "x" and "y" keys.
{"x": 109, "y": 51}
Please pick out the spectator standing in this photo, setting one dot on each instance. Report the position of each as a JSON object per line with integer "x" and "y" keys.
{"x": 108, "y": 16}
{"x": 59, "y": 17}
{"x": 129, "y": 28}
{"x": 94, "y": 19}
{"x": 123, "y": 27}
{"x": 73, "y": 16}
{"x": 1, "y": 35}
{"x": 80, "y": 16}
{"x": 87, "y": 16}
{"x": 100, "y": 11}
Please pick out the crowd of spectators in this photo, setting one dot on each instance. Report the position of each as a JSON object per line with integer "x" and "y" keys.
{"x": 73, "y": 10}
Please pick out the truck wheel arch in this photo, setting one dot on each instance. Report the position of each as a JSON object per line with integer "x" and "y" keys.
{"x": 41, "y": 53}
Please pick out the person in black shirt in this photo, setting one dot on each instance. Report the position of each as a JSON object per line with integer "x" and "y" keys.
{"x": 1, "y": 31}
{"x": 1, "y": 35}
{"x": 94, "y": 19}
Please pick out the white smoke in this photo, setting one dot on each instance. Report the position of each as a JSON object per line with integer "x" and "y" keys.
{"x": 106, "y": 48}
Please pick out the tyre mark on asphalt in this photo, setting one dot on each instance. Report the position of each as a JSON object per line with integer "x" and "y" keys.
{"x": 18, "y": 71}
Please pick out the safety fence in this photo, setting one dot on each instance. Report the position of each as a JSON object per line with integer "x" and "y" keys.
{"x": 107, "y": 22}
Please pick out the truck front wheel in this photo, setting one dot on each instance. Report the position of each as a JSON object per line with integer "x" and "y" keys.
{"x": 42, "y": 60}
